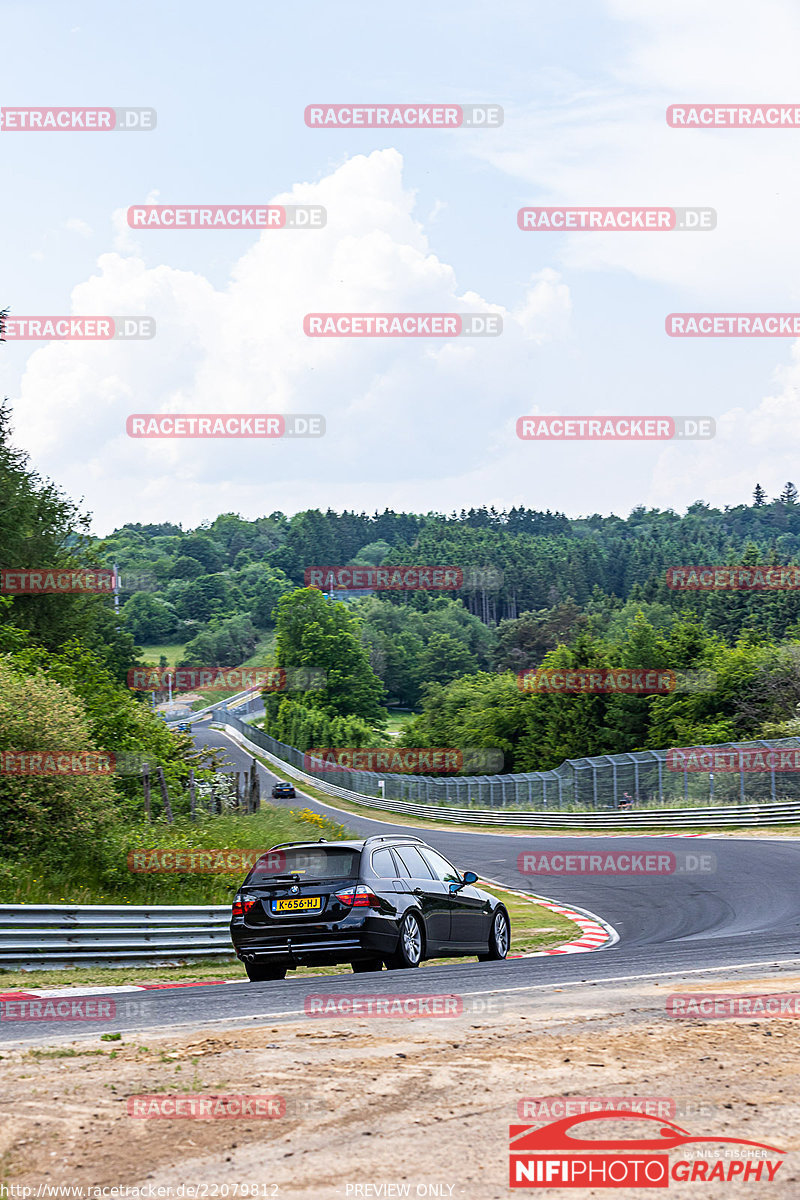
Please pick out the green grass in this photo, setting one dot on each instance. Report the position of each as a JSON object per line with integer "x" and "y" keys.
{"x": 102, "y": 875}
{"x": 397, "y": 723}
{"x": 264, "y": 653}
{"x": 173, "y": 652}
{"x": 212, "y": 697}
{"x": 532, "y": 928}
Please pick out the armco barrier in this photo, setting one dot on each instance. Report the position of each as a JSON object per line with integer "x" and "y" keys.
{"x": 60, "y": 935}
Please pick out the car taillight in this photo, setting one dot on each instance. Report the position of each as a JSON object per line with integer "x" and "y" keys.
{"x": 240, "y": 907}
{"x": 358, "y": 897}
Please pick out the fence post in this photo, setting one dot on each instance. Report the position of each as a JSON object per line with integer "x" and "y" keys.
{"x": 254, "y": 794}
{"x": 146, "y": 786}
{"x": 162, "y": 783}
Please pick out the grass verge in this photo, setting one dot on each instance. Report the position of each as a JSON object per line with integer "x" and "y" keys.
{"x": 101, "y": 874}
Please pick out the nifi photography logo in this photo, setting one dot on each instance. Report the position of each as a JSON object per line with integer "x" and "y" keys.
{"x": 557, "y": 1155}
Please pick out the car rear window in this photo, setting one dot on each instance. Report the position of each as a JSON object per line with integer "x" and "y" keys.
{"x": 309, "y": 862}
{"x": 383, "y": 864}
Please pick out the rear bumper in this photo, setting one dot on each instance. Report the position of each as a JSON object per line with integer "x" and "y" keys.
{"x": 311, "y": 946}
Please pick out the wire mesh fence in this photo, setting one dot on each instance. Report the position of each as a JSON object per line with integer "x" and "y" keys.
{"x": 758, "y": 772}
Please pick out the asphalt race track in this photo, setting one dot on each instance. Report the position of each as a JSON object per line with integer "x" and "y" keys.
{"x": 744, "y": 911}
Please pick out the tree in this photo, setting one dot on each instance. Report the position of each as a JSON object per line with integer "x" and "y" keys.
{"x": 150, "y": 619}
{"x": 759, "y": 496}
{"x": 186, "y": 567}
{"x": 789, "y": 494}
{"x": 38, "y": 715}
{"x": 224, "y": 643}
{"x": 198, "y": 546}
{"x": 271, "y": 584}
{"x": 444, "y": 659}
{"x": 313, "y": 632}
{"x": 40, "y": 528}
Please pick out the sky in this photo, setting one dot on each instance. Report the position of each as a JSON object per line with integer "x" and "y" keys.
{"x": 418, "y": 220}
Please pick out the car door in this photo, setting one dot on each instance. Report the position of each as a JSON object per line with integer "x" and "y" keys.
{"x": 387, "y": 869}
{"x": 430, "y": 894}
{"x": 471, "y": 913}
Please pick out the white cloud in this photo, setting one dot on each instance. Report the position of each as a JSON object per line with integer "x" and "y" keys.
{"x": 751, "y": 446}
{"x": 607, "y": 143}
{"x": 402, "y": 413}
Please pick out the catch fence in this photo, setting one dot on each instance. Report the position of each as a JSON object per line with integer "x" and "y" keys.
{"x": 640, "y": 779}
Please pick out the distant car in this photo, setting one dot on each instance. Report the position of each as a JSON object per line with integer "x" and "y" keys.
{"x": 387, "y": 900}
{"x": 283, "y": 791}
{"x": 184, "y": 727}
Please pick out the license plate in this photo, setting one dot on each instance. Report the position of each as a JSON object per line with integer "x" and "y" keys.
{"x": 301, "y": 904}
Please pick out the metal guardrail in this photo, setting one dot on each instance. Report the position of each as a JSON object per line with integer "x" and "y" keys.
{"x": 739, "y": 816}
{"x": 61, "y": 935}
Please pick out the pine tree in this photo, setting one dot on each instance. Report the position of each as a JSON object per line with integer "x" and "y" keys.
{"x": 789, "y": 494}
{"x": 759, "y": 496}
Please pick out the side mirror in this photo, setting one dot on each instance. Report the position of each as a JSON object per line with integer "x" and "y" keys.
{"x": 468, "y": 877}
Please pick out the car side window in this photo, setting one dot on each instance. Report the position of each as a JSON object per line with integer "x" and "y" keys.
{"x": 441, "y": 868}
{"x": 413, "y": 862}
{"x": 383, "y": 864}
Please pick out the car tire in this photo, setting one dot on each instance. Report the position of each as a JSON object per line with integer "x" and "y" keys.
{"x": 499, "y": 938}
{"x": 367, "y": 964}
{"x": 410, "y": 944}
{"x": 263, "y": 972}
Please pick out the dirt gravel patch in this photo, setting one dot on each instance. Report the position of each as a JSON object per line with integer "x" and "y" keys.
{"x": 418, "y": 1102}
